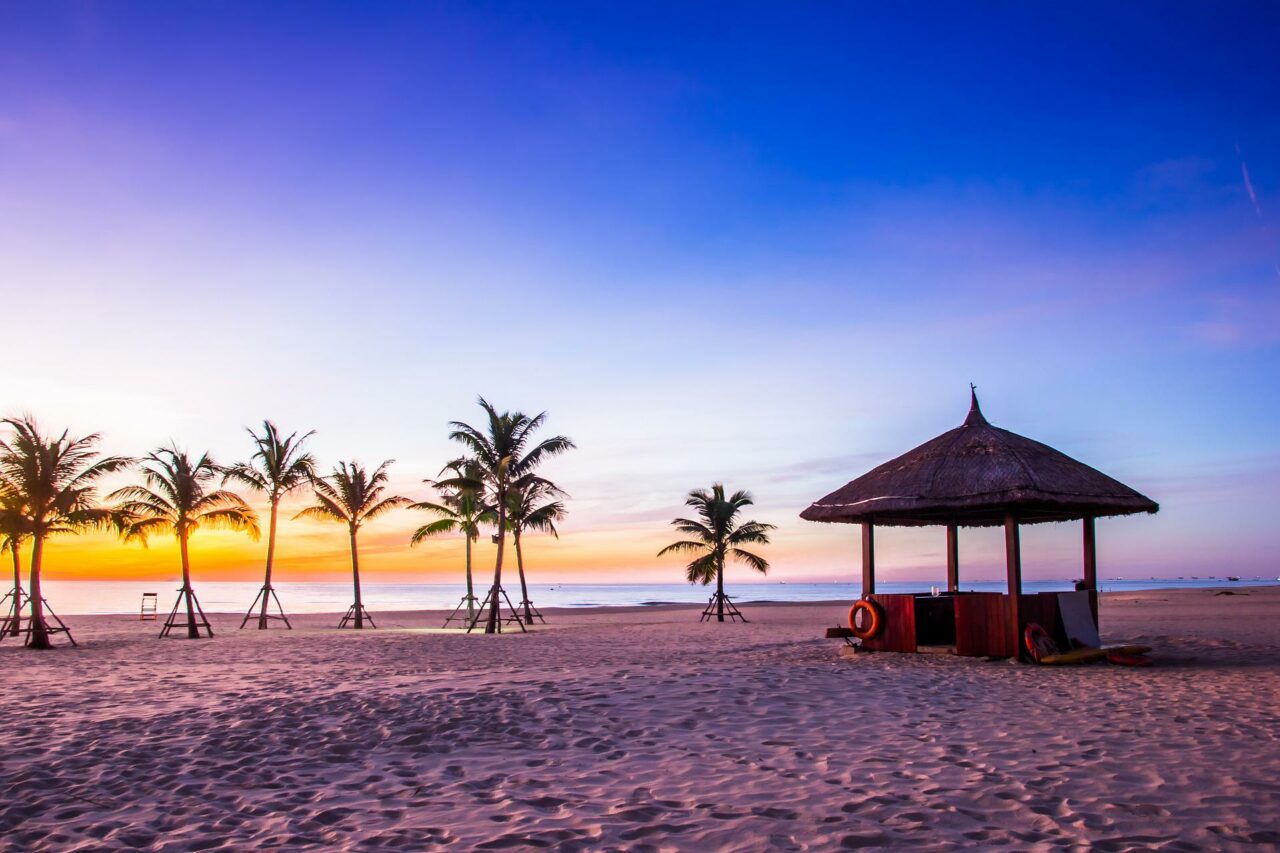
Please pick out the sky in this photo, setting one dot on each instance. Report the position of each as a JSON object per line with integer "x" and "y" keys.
{"x": 764, "y": 244}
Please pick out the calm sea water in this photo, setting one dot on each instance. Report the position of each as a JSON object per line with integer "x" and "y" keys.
{"x": 90, "y": 597}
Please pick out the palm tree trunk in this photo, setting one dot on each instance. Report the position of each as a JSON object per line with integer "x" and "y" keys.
{"x": 471, "y": 596}
{"x": 355, "y": 579}
{"x": 39, "y": 633}
{"x": 720, "y": 590}
{"x": 17, "y": 587}
{"x": 524, "y": 588}
{"x": 491, "y": 626}
{"x": 271, "y": 553}
{"x": 193, "y": 630}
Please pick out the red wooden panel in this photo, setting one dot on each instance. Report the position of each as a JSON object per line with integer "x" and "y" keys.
{"x": 899, "y": 634}
{"x": 1042, "y": 608}
{"x": 982, "y": 624}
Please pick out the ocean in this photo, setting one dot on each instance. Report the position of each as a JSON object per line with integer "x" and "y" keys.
{"x": 100, "y": 597}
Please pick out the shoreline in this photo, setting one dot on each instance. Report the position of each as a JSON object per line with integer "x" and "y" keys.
{"x": 1227, "y": 587}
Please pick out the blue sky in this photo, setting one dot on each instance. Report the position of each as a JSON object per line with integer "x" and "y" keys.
{"x": 764, "y": 244}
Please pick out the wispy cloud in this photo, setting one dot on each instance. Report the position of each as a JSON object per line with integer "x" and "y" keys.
{"x": 1248, "y": 183}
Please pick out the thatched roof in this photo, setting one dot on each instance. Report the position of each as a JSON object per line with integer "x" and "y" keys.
{"x": 972, "y": 476}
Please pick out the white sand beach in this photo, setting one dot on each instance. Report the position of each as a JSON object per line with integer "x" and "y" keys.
{"x": 642, "y": 729}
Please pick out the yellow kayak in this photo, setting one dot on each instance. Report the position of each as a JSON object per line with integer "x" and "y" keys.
{"x": 1091, "y": 655}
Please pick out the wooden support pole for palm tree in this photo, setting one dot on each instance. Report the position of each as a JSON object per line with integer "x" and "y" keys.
{"x": 187, "y": 597}
{"x": 953, "y": 558}
{"x": 720, "y": 604}
{"x": 468, "y": 618}
{"x": 268, "y": 593}
{"x": 530, "y": 612}
{"x": 195, "y": 618}
{"x": 489, "y": 606}
{"x": 12, "y": 604}
{"x": 17, "y": 594}
{"x": 16, "y": 598}
{"x": 356, "y": 614}
{"x": 1013, "y": 566}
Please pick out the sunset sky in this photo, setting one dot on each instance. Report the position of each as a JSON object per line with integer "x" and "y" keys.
{"x": 764, "y": 245}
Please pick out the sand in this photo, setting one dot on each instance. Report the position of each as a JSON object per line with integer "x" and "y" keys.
{"x": 641, "y": 729}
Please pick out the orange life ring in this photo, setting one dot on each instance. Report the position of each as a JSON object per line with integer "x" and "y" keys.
{"x": 875, "y": 619}
{"x": 1039, "y": 644}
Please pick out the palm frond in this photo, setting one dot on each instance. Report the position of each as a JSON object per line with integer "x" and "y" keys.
{"x": 756, "y": 562}
{"x": 384, "y": 506}
{"x": 681, "y": 547}
{"x": 435, "y": 528}
{"x": 241, "y": 520}
{"x": 701, "y": 570}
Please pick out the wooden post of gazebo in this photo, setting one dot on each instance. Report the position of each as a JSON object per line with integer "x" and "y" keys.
{"x": 1091, "y": 566}
{"x": 868, "y": 559}
{"x": 1013, "y": 563}
{"x": 953, "y": 558}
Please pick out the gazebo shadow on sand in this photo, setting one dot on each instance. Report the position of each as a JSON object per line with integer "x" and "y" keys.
{"x": 976, "y": 475}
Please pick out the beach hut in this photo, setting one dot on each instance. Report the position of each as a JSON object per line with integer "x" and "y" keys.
{"x": 976, "y": 475}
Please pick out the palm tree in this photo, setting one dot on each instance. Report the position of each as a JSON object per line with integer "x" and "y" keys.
{"x": 277, "y": 467}
{"x": 13, "y": 533}
{"x": 716, "y": 536}
{"x": 53, "y": 482}
{"x": 352, "y": 495}
{"x": 504, "y": 459}
{"x": 526, "y": 512}
{"x": 177, "y": 497}
{"x": 460, "y": 511}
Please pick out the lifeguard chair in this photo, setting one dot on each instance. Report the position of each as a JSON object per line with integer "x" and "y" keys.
{"x": 150, "y": 601}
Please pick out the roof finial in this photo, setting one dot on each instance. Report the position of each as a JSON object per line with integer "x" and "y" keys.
{"x": 975, "y": 411}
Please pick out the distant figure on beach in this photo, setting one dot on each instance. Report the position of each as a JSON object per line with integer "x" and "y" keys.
{"x": 715, "y": 537}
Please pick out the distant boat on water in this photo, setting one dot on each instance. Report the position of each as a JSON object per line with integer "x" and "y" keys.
{"x": 1232, "y": 578}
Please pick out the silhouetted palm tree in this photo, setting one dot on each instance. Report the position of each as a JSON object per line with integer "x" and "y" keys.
{"x": 277, "y": 467}
{"x": 716, "y": 536}
{"x": 352, "y": 495}
{"x": 532, "y": 508}
{"x": 53, "y": 481}
{"x": 505, "y": 456}
{"x": 13, "y": 533}
{"x": 177, "y": 498}
{"x": 460, "y": 511}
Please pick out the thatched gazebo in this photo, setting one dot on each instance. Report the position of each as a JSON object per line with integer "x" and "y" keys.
{"x": 976, "y": 475}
